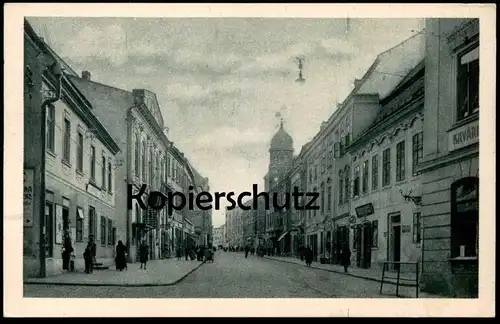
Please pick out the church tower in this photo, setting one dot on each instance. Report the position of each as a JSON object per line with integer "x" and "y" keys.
{"x": 281, "y": 156}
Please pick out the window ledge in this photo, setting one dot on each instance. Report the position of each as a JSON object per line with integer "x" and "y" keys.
{"x": 80, "y": 173}
{"x": 66, "y": 163}
{"x": 464, "y": 121}
{"x": 50, "y": 153}
{"x": 464, "y": 259}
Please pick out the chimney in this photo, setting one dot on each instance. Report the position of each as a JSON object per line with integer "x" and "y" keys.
{"x": 357, "y": 82}
{"x": 86, "y": 75}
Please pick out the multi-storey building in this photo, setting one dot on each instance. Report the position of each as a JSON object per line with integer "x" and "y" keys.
{"x": 219, "y": 240}
{"x": 384, "y": 157}
{"x": 450, "y": 166}
{"x": 234, "y": 224}
{"x": 78, "y": 167}
{"x": 296, "y": 215}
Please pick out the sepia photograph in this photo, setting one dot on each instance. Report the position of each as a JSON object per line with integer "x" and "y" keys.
{"x": 232, "y": 157}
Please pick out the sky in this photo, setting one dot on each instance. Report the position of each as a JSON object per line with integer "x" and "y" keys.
{"x": 220, "y": 82}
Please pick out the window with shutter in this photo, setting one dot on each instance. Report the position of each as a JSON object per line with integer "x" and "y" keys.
{"x": 336, "y": 150}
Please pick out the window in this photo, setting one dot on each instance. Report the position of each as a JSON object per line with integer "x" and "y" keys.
{"x": 150, "y": 169}
{"x": 110, "y": 178}
{"x": 50, "y": 132}
{"x": 49, "y": 229}
{"x": 103, "y": 230}
{"x": 341, "y": 187}
{"x": 92, "y": 221}
{"x": 386, "y": 167}
{"x": 400, "y": 161}
{"x": 92, "y": 163}
{"x": 375, "y": 172}
{"x": 365, "y": 177}
{"x": 79, "y": 224}
{"x": 143, "y": 162}
{"x": 468, "y": 83}
{"x": 329, "y": 192}
{"x": 417, "y": 229}
{"x": 322, "y": 197}
{"x": 346, "y": 186}
{"x": 465, "y": 217}
{"x": 136, "y": 155}
{"x": 79, "y": 158}
{"x": 110, "y": 232}
{"x": 103, "y": 173}
{"x": 310, "y": 175}
{"x": 375, "y": 233}
{"x": 356, "y": 181}
{"x": 67, "y": 141}
{"x": 418, "y": 150}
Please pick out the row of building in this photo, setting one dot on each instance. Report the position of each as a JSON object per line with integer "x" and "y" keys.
{"x": 85, "y": 143}
{"x": 396, "y": 167}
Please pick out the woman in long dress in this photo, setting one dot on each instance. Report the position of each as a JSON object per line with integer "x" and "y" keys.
{"x": 121, "y": 260}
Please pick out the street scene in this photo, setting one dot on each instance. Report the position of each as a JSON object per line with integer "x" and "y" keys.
{"x": 145, "y": 140}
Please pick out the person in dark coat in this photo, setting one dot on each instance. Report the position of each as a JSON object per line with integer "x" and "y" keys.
{"x": 87, "y": 257}
{"x": 246, "y": 251}
{"x": 121, "y": 260}
{"x": 143, "y": 254}
{"x": 309, "y": 256}
{"x": 66, "y": 252}
{"x": 178, "y": 253}
{"x": 345, "y": 255}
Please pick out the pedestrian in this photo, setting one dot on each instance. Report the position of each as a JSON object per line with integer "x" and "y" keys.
{"x": 186, "y": 252}
{"x": 246, "y": 251}
{"x": 143, "y": 254}
{"x": 87, "y": 257}
{"x": 121, "y": 260}
{"x": 308, "y": 256}
{"x": 66, "y": 251}
{"x": 345, "y": 255}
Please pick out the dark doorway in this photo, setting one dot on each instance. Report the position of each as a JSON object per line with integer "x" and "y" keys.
{"x": 366, "y": 246}
{"x": 65, "y": 219}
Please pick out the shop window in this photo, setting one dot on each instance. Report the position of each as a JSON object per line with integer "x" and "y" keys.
{"x": 468, "y": 83}
{"x": 375, "y": 233}
{"x": 110, "y": 232}
{"x": 400, "y": 161}
{"x": 386, "y": 167}
{"x": 92, "y": 221}
{"x": 49, "y": 229}
{"x": 103, "y": 230}
{"x": 465, "y": 217}
{"x": 417, "y": 227}
{"x": 79, "y": 224}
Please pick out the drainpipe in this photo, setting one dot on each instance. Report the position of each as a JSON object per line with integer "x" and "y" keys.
{"x": 56, "y": 70}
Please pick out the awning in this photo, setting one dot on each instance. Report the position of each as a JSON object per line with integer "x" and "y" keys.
{"x": 283, "y": 235}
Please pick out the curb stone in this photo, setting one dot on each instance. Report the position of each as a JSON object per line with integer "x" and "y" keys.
{"x": 343, "y": 273}
{"x": 92, "y": 284}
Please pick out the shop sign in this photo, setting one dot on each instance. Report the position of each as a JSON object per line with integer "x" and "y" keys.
{"x": 29, "y": 190}
{"x": 463, "y": 136}
{"x": 364, "y": 210}
{"x": 405, "y": 228}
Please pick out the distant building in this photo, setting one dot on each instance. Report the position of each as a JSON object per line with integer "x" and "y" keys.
{"x": 218, "y": 233}
{"x": 450, "y": 165}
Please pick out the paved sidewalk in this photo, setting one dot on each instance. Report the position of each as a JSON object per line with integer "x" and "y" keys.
{"x": 367, "y": 274}
{"x": 159, "y": 273}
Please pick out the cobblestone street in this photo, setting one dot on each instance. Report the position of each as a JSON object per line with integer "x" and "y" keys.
{"x": 233, "y": 276}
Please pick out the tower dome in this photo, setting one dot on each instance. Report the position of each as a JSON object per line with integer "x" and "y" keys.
{"x": 282, "y": 140}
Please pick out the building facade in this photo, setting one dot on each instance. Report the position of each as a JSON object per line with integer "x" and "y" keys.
{"x": 383, "y": 170}
{"x": 219, "y": 240}
{"x": 79, "y": 177}
{"x": 450, "y": 166}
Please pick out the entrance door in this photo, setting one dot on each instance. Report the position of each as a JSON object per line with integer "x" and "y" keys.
{"x": 394, "y": 237}
{"x": 366, "y": 239}
{"x": 358, "y": 237}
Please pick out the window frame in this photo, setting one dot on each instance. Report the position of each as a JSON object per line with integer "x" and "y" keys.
{"x": 417, "y": 227}
{"x": 66, "y": 140}
{"x": 92, "y": 163}
{"x": 401, "y": 161}
{"x": 458, "y": 56}
{"x": 356, "y": 181}
{"x": 103, "y": 172}
{"x": 109, "y": 228}
{"x": 386, "y": 167}
{"x": 92, "y": 224}
{"x": 49, "y": 228}
{"x": 79, "y": 227}
{"x": 50, "y": 132}
{"x": 110, "y": 178}
{"x": 364, "y": 181}
{"x": 375, "y": 172}
{"x": 103, "y": 225}
{"x": 80, "y": 152}
{"x": 417, "y": 151}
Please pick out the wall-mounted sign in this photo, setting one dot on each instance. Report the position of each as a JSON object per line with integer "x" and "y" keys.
{"x": 352, "y": 219}
{"x": 29, "y": 190}
{"x": 463, "y": 136}
{"x": 364, "y": 210}
{"x": 405, "y": 228}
